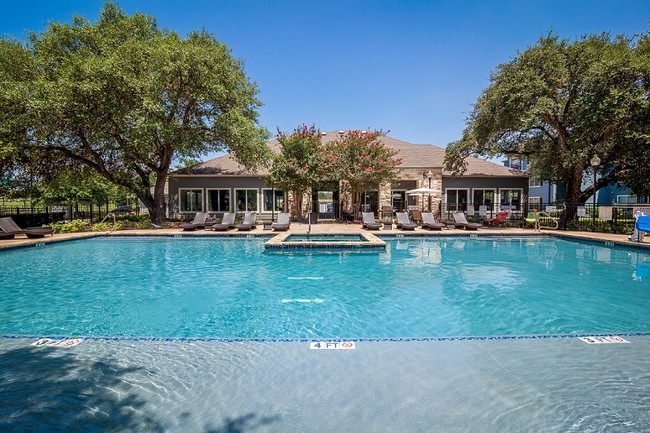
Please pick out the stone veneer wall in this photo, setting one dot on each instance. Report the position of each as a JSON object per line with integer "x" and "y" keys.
{"x": 416, "y": 174}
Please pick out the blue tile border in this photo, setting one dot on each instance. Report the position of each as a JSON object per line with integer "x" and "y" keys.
{"x": 314, "y": 340}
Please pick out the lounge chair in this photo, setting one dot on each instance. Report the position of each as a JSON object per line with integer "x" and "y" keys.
{"x": 9, "y": 229}
{"x": 403, "y": 221}
{"x": 197, "y": 223}
{"x": 499, "y": 219}
{"x": 227, "y": 223}
{"x": 369, "y": 222}
{"x": 283, "y": 223}
{"x": 249, "y": 222}
{"x": 429, "y": 222}
{"x": 462, "y": 222}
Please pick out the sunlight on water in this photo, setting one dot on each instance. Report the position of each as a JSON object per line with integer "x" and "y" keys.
{"x": 180, "y": 287}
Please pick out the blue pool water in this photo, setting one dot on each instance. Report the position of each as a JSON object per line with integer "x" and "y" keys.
{"x": 204, "y": 287}
{"x": 326, "y": 238}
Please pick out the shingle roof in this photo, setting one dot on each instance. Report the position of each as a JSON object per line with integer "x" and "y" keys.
{"x": 413, "y": 156}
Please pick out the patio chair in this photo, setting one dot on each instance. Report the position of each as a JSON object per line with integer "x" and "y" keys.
{"x": 461, "y": 222}
{"x": 387, "y": 212}
{"x": 227, "y": 223}
{"x": 248, "y": 223}
{"x": 197, "y": 223}
{"x": 283, "y": 223}
{"x": 369, "y": 222}
{"x": 531, "y": 220}
{"x": 9, "y": 229}
{"x": 403, "y": 221}
{"x": 416, "y": 216}
{"x": 429, "y": 222}
{"x": 499, "y": 219}
{"x": 641, "y": 226}
{"x": 542, "y": 220}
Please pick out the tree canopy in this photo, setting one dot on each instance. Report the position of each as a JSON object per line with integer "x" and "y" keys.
{"x": 357, "y": 160}
{"x": 558, "y": 103}
{"x": 298, "y": 165}
{"x": 125, "y": 98}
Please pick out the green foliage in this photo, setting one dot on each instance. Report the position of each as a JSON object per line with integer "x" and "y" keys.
{"x": 74, "y": 226}
{"x": 298, "y": 165}
{"x": 558, "y": 103}
{"x": 126, "y": 99}
{"x": 358, "y": 158}
{"x": 361, "y": 159}
{"x": 101, "y": 227}
{"x": 71, "y": 186}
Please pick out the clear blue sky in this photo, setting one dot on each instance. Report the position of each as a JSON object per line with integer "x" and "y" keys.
{"x": 414, "y": 67}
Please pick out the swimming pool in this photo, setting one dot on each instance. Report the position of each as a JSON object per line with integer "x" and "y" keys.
{"x": 232, "y": 288}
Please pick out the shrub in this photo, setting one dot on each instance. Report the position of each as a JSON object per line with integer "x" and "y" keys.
{"x": 74, "y": 226}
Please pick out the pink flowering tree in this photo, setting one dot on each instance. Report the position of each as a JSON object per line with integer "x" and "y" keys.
{"x": 298, "y": 166}
{"x": 362, "y": 161}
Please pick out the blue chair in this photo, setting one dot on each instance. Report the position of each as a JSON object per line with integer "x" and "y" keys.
{"x": 641, "y": 226}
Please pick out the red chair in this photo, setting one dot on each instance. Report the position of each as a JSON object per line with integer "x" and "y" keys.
{"x": 499, "y": 219}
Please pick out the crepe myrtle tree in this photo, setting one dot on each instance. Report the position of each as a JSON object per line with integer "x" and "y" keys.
{"x": 559, "y": 103}
{"x": 126, "y": 98}
{"x": 359, "y": 161}
{"x": 299, "y": 164}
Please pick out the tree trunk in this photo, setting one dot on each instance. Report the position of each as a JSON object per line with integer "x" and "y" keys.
{"x": 155, "y": 202}
{"x": 574, "y": 195}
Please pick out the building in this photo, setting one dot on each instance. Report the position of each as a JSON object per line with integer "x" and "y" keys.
{"x": 221, "y": 185}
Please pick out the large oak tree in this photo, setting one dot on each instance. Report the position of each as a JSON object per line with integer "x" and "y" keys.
{"x": 558, "y": 103}
{"x": 127, "y": 99}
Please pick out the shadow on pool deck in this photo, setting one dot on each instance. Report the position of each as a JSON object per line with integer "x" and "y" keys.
{"x": 54, "y": 390}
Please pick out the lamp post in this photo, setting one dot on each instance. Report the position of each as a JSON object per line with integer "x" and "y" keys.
{"x": 272, "y": 201}
{"x": 429, "y": 175}
{"x": 595, "y": 163}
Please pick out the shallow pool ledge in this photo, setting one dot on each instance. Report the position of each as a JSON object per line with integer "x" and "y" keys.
{"x": 370, "y": 242}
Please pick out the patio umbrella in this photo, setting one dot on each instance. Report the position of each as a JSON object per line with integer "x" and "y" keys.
{"x": 423, "y": 191}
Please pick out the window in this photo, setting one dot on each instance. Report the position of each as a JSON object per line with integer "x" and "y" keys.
{"x": 511, "y": 199}
{"x": 218, "y": 200}
{"x": 457, "y": 199}
{"x": 191, "y": 200}
{"x": 534, "y": 182}
{"x": 246, "y": 200}
{"x": 483, "y": 197}
{"x": 534, "y": 203}
{"x": 273, "y": 200}
{"x": 626, "y": 199}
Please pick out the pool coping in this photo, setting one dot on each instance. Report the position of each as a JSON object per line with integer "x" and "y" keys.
{"x": 371, "y": 242}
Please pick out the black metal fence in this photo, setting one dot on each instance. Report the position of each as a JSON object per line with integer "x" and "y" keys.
{"x": 617, "y": 218}
{"x": 38, "y": 216}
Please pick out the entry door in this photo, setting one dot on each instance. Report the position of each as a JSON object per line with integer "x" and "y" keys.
{"x": 324, "y": 205}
